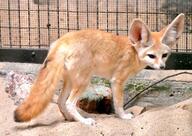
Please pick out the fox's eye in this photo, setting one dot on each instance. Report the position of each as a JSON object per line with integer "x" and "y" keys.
{"x": 151, "y": 56}
{"x": 164, "y": 55}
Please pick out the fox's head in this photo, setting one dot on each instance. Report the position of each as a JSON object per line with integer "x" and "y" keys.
{"x": 153, "y": 48}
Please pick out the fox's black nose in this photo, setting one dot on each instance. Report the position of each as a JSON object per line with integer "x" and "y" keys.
{"x": 162, "y": 67}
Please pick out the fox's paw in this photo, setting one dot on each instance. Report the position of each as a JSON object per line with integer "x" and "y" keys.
{"x": 127, "y": 116}
{"x": 89, "y": 121}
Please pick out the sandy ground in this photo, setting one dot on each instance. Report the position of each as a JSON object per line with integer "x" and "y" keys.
{"x": 169, "y": 121}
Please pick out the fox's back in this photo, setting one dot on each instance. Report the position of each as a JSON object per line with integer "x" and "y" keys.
{"x": 98, "y": 42}
{"x": 101, "y": 49}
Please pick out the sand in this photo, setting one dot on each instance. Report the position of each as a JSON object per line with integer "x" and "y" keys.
{"x": 175, "y": 120}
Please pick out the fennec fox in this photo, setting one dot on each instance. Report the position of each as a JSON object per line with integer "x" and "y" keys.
{"x": 76, "y": 56}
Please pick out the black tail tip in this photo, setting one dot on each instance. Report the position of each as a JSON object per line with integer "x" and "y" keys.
{"x": 16, "y": 117}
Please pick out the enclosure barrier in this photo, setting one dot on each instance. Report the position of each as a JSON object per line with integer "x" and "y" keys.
{"x": 27, "y": 27}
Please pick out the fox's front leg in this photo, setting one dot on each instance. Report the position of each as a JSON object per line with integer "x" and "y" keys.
{"x": 117, "y": 87}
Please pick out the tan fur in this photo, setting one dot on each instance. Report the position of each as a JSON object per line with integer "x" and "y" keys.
{"x": 41, "y": 91}
{"x": 79, "y": 55}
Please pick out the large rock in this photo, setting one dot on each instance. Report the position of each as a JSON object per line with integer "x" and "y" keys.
{"x": 175, "y": 120}
{"x": 96, "y": 99}
{"x": 18, "y": 85}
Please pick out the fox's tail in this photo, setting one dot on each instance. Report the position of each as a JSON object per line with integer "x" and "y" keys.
{"x": 42, "y": 90}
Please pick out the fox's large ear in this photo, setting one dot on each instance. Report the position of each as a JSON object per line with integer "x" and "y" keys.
{"x": 173, "y": 31}
{"x": 139, "y": 32}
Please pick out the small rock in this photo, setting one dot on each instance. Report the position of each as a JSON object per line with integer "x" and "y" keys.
{"x": 7, "y": 133}
{"x": 136, "y": 110}
{"x": 185, "y": 105}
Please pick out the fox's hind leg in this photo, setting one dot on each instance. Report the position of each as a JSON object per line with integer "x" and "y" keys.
{"x": 71, "y": 105}
{"x": 79, "y": 84}
{"x": 79, "y": 65}
{"x": 63, "y": 98}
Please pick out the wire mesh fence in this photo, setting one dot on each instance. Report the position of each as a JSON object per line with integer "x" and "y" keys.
{"x": 37, "y": 23}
